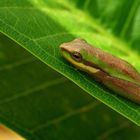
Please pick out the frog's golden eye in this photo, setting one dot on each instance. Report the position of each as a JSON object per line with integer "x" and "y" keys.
{"x": 77, "y": 56}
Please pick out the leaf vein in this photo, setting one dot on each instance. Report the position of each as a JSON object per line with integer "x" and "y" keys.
{"x": 33, "y": 89}
{"x": 57, "y": 120}
{"x": 17, "y": 63}
{"x": 112, "y": 130}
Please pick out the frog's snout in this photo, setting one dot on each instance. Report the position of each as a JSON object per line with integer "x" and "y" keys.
{"x": 62, "y": 47}
{"x": 65, "y": 47}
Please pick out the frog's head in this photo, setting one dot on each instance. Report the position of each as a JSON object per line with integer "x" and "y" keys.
{"x": 77, "y": 52}
{"x": 73, "y": 50}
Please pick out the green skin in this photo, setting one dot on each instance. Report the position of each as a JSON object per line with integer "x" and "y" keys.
{"x": 115, "y": 73}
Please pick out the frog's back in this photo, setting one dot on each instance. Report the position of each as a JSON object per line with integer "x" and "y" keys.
{"x": 118, "y": 64}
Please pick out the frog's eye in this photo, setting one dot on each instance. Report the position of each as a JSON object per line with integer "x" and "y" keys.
{"x": 77, "y": 56}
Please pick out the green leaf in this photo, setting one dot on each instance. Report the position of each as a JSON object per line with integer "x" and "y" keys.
{"x": 33, "y": 99}
{"x": 37, "y": 102}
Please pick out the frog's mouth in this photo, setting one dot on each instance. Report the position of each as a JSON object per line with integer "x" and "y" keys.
{"x": 79, "y": 65}
{"x": 87, "y": 63}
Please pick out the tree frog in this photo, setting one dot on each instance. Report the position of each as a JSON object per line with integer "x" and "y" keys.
{"x": 113, "y": 72}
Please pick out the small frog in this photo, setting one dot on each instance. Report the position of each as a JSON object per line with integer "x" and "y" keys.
{"x": 115, "y": 73}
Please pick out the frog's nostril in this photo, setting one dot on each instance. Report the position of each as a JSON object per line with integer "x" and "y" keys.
{"x": 63, "y": 47}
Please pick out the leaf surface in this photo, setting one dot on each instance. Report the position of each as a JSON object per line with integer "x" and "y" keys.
{"x": 40, "y": 27}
